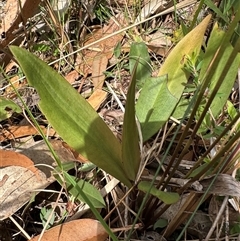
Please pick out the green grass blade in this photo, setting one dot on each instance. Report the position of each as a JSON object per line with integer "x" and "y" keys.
{"x": 212, "y": 6}
{"x": 71, "y": 115}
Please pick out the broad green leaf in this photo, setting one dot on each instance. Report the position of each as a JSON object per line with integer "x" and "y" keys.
{"x": 225, "y": 89}
{"x": 181, "y": 108}
{"x": 90, "y": 191}
{"x": 139, "y": 54}
{"x": 154, "y": 106}
{"x": 161, "y": 223}
{"x": 166, "y": 197}
{"x": 7, "y": 108}
{"x": 130, "y": 138}
{"x": 158, "y": 99}
{"x": 71, "y": 115}
{"x": 174, "y": 63}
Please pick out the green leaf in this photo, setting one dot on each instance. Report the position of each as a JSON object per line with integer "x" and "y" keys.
{"x": 7, "y": 108}
{"x": 45, "y": 215}
{"x": 154, "y": 106}
{"x": 86, "y": 167}
{"x": 174, "y": 63}
{"x": 130, "y": 137}
{"x": 66, "y": 166}
{"x": 161, "y": 223}
{"x": 231, "y": 110}
{"x": 71, "y": 115}
{"x": 166, "y": 197}
{"x": 181, "y": 108}
{"x": 223, "y": 93}
{"x": 90, "y": 191}
{"x": 139, "y": 54}
{"x": 158, "y": 99}
{"x": 117, "y": 50}
{"x": 198, "y": 170}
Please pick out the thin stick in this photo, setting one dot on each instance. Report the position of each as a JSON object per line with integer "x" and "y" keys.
{"x": 20, "y": 228}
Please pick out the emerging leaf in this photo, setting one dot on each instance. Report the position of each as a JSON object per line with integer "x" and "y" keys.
{"x": 139, "y": 55}
{"x": 130, "y": 140}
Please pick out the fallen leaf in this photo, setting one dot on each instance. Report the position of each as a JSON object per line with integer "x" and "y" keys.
{"x": 11, "y": 158}
{"x": 159, "y": 43}
{"x": 97, "y": 98}
{"x": 18, "y": 185}
{"x": 77, "y": 230}
{"x": 224, "y": 185}
{"x": 14, "y": 132}
{"x": 99, "y": 65}
{"x": 95, "y": 59}
{"x": 72, "y": 76}
{"x": 14, "y": 17}
{"x": 66, "y": 153}
{"x": 19, "y": 177}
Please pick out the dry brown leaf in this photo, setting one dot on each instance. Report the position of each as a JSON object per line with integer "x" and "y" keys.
{"x": 19, "y": 177}
{"x": 158, "y": 43}
{"x": 72, "y": 76}
{"x": 13, "y": 18}
{"x": 11, "y": 158}
{"x": 66, "y": 153}
{"x": 77, "y": 230}
{"x": 12, "y": 24}
{"x": 97, "y": 98}
{"x": 224, "y": 185}
{"x": 215, "y": 205}
{"x": 14, "y": 132}
{"x": 99, "y": 65}
{"x": 18, "y": 180}
{"x": 11, "y": 13}
{"x": 94, "y": 60}
{"x": 18, "y": 185}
